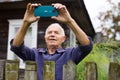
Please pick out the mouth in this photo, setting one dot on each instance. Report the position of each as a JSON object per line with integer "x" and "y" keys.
{"x": 52, "y": 39}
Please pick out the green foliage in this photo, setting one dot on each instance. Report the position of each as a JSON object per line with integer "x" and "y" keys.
{"x": 101, "y": 55}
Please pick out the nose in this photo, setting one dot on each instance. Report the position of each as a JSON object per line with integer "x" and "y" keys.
{"x": 52, "y": 34}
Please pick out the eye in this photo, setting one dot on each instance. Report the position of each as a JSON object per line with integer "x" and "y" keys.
{"x": 56, "y": 32}
{"x": 49, "y": 32}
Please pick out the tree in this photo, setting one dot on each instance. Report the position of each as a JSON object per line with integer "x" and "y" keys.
{"x": 110, "y": 20}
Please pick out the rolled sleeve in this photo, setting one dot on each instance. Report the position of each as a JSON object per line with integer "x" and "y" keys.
{"x": 81, "y": 51}
{"x": 22, "y": 51}
{"x": 87, "y": 48}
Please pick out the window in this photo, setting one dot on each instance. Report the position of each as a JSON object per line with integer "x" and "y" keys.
{"x": 30, "y": 38}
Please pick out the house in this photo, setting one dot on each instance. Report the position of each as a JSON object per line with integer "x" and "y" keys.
{"x": 12, "y": 12}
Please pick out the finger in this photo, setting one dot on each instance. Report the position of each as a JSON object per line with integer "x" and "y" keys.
{"x": 39, "y": 4}
{"x": 62, "y": 7}
{"x": 38, "y": 17}
{"x": 31, "y": 7}
{"x": 35, "y": 5}
{"x": 53, "y": 4}
{"x": 54, "y": 17}
{"x": 28, "y": 6}
{"x": 57, "y": 5}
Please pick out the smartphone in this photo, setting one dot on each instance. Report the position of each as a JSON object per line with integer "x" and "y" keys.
{"x": 45, "y": 11}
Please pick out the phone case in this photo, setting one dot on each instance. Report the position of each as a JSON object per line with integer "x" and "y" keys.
{"x": 45, "y": 11}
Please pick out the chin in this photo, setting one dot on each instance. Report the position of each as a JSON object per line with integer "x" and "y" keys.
{"x": 52, "y": 44}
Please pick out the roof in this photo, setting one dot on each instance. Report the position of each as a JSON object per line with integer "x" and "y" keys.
{"x": 76, "y": 8}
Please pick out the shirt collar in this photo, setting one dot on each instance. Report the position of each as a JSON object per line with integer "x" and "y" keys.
{"x": 43, "y": 50}
{"x": 60, "y": 50}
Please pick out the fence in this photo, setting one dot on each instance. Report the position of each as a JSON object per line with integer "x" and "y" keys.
{"x": 9, "y": 70}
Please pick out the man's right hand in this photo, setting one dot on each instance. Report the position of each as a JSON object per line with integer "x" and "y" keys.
{"x": 29, "y": 14}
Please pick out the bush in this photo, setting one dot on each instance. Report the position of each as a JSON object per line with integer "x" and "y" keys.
{"x": 102, "y": 54}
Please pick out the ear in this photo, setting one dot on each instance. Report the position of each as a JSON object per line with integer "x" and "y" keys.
{"x": 64, "y": 38}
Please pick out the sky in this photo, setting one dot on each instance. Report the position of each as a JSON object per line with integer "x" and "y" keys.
{"x": 94, "y": 7}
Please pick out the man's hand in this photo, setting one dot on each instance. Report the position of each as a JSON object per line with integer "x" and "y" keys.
{"x": 29, "y": 14}
{"x": 28, "y": 19}
{"x": 64, "y": 15}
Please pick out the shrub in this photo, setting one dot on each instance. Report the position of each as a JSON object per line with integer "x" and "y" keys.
{"x": 102, "y": 54}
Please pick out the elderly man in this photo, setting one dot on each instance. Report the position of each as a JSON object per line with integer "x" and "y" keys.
{"x": 54, "y": 37}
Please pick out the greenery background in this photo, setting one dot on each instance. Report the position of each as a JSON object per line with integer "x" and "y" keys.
{"x": 102, "y": 54}
{"x": 107, "y": 50}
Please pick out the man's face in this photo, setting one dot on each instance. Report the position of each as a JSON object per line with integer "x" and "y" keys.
{"x": 54, "y": 35}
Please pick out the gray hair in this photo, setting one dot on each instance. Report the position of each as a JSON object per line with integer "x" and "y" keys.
{"x": 62, "y": 30}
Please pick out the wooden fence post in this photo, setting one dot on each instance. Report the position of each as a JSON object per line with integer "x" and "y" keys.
{"x": 69, "y": 71}
{"x": 30, "y": 71}
{"x": 11, "y": 70}
{"x": 21, "y": 74}
{"x": 2, "y": 66}
{"x": 114, "y": 71}
{"x": 49, "y": 70}
{"x": 91, "y": 71}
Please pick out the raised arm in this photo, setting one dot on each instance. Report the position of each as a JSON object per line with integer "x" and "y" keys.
{"x": 81, "y": 36}
{"x": 65, "y": 17}
{"x": 27, "y": 20}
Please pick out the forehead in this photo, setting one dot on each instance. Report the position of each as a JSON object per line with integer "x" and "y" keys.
{"x": 54, "y": 27}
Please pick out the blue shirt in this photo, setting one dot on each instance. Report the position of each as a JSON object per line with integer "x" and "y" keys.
{"x": 61, "y": 56}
